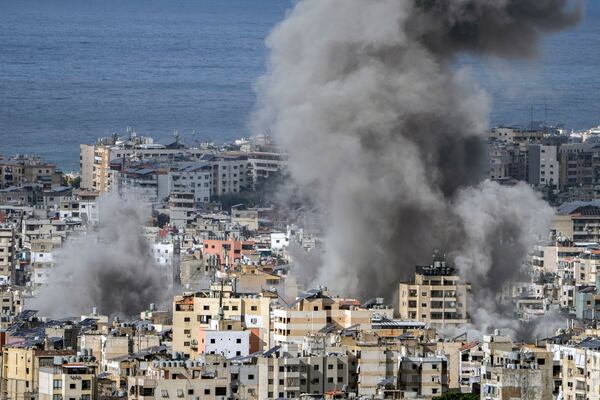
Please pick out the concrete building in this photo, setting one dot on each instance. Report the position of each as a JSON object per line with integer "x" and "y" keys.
{"x": 194, "y": 311}
{"x": 95, "y": 159}
{"x": 287, "y": 372}
{"x": 191, "y": 177}
{"x": 228, "y": 338}
{"x": 21, "y": 366}
{"x": 425, "y": 377}
{"x": 71, "y": 380}
{"x": 227, "y": 251}
{"x": 8, "y": 248}
{"x": 515, "y": 371}
{"x": 437, "y": 296}
{"x": 229, "y": 173}
{"x": 187, "y": 379}
{"x": 578, "y": 221}
{"x": 543, "y": 166}
{"x": 315, "y": 310}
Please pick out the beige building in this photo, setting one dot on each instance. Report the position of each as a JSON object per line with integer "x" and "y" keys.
{"x": 513, "y": 371}
{"x": 579, "y": 376}
{"x": 75, "y": 380}
{"x": 7, "y": 252}
{"x": 179, "y": 379}
{"x": 20, "y": 369}
{"x": 423, "y": 377}
{"x": 95, "y": 159}
{"x": 194, "y": 311}
{"x": 437, "y": 296}
{"x": 316, "y": 309}
{"x": 287, "y": 372}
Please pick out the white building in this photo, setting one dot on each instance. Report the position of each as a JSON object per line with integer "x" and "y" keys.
{"x": 192, "y": 177}
{"x": 227, "y": 343}
{"x": 279, "y": 241}
{"x": 543, "y": 165}
{"x": 162, "y": 254}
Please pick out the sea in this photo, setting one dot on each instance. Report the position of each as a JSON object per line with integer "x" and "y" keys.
{"x": 74, "y": 70}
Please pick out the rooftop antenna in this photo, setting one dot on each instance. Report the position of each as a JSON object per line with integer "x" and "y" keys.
{"x": 531, "y": 119}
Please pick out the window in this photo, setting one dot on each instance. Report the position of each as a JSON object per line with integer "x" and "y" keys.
{"x": 238, "y": 340}
{"x": 212, "y": 341}
{"x": 250, "y": 377}
{"x": 220, "y": 391}
{"x": 330, "y": 366}
{"x": 330, "y": 380}
{"x": 86, "y": 384}
{"x": 253, "y": 308}
{"x": 206, "y": 391}
{"x": 57, "y": 384}
{"x": 72, "y": 386}
{"x": 186, "y": 319}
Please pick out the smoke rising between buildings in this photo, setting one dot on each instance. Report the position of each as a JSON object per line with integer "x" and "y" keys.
{"x": 387, "y": 136}
{"x": 110, "y": 268}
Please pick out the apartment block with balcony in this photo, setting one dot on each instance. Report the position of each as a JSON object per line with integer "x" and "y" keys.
{"x": 68, "y": 381}
{"x": 7, "y": 252}
{"x": 317, "y": 309}
{"x": 195, "y": 311}
{"x": 437, "y": 296}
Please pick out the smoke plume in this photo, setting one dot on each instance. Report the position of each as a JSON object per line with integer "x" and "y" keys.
{"x": 110, "y": 268}
{"x": 386, "y": 136}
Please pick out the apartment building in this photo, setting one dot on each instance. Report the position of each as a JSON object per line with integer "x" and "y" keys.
{"x": 11, "y": 304}
{"x": 194, "y": 311}
{"x": 263, "y": 165}
{"x": 424, "y": 376}
{"x": 182, "y": 379}
{"x": 192, "y": 177}
{"x": 437, "y": 296}
{"x": 577, "y": 165}
{"x": 21, "y": 366}
{"x": 229, "y": 173}
{"x": 8, "y": 248}
{"x": 228, "y": 338}
{"x": 182, "y": 209}
{"x": 287, "y": 371}
{"x": 95, "y": 159}
{"x": 578, "y": 221}
{"x": 68, "y": 380}
{"x": 374, "y": 361}
{"x": 227, "y": 251}
{"x": 515, "y": 371}
{"x": 11, "y": 174}
{"x": 579, "y": 368}
{"x": 543, "y": 165}
{"x": 316, "y": 309}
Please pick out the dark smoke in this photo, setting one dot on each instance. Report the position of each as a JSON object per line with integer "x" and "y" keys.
{"x": 387, "y": 137}
{"x": 111, "y": 269}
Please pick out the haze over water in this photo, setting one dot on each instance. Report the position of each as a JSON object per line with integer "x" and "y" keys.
{"x": 72, "y": 70}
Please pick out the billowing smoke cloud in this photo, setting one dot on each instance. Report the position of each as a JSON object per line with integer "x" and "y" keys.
{"x": 386, "y": 136}
{"x": 111, "y": 268}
